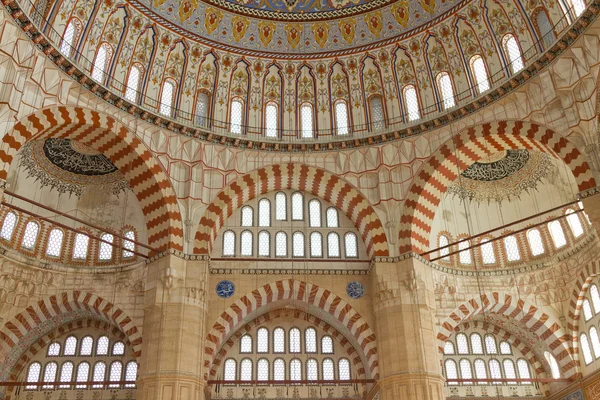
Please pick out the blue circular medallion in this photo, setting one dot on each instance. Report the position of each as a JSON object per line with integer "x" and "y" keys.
{"x": 225, "y": 289}
{"x": 355, "y": 290}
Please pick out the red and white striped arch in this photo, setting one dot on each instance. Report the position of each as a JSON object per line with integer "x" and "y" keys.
{"x": 458, "y": 153}
{"x": 103, "y": 133}
{"x": 297, "y": 177}
{"x": 51, "y": 313}
{"x": 543, "y": 326}
{"x": 333, "y": 310}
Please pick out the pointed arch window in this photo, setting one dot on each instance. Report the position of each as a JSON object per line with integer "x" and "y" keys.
{"x": 412, "y": 102}
{"x": 341, "y": 118}
{"x": 262, "y": 340}
{"x": 271, "y": 119}
{"x": 167, "y": 97}
{"x": 80, "y": 249}
{"x": 202, "y": 110}
{"x": 8, "y": 226}
{"x": 55, "y": 241}
{"x": 487, "y": 252}
{"x": 236, "y": 117}
{"x": 116, "y": 369}
{"x": 351, "y": 245}
{"x": 464, "y": 256}
{"x": 314, "y": 213}
{"x": 574, "y": 223}
{"x": 128, "y": 244}
{"x": 264, "y": 244}
{"x": 280, "y": 206}
{"x": 445, "y": 89}
{"x": 246, "y": 370}
{"x": 595, "y": 341}
{"x": 246, "y": 243}
{"x": 332, "y": 218}
{"x": 70, "y": 38}
{"x": 131, "y": 373}
{"x": 548, "y": 36}
{"x": 512, "y": 248}
{"x": 316, "y": 244}
{"x": 587, "y": 310}
{"x": 106, "y": 249}
{"x": 443, "y": 252}
{"x": 585, "y": 347}
{"x": 479, "y": 71}
{"x": 377, "y": 113}
{"x": 451, "y": 371}
{"x": 30, "y": 236}
{"x": 306, "y": 120}
{"x": 513, "y": 53}
{"x": 132, "y": 92}
{"x": 101, "y": 62}
{"x": 229, "y": 370}
{"x": 298, "y": 244}
{"x": 595, "y": 298}
{"x": 536, "y": 245}
{"x": 333, "y": 245}
{"x": 281, "y": 244}
{"x": 297, "y": 206}
{"x": 228, "y": 244}
{"x": 523, "y": 368}
{"x": 33, "y": 374}
{"x": 557, "y": 234}
{"x": 278, "y": 340}
{"x": 264, "y": 212}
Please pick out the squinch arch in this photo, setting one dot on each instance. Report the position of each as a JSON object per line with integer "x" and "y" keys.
{"x": 458, "y": 153}
{"x": 298, "y": 177}
{"x": 103, "y": 133}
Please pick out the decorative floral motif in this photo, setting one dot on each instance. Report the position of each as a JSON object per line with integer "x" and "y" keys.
{"x": 355, "y": 290}
{"x": 225, "y": 289}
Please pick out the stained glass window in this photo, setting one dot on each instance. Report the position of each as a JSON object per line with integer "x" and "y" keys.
{"x": 490, "y": 345}
{"x": 80, "y": 248}
{"x": 328, "y": 373}
{"x": 8, "y": 226}
{"x": 128, "y": 244}
{"x": 235, "y": 116}
{"x": 513, "y": 52}
{"x": 316, "y": 244}
{"x": 505, "y": 348}
{"x": 595, "y": 298}
{"x": 271, "y": 120}
{"x": 586, "y": 349}
{"x": 116, "y": 369}
{"x": 306, "y": 120}
{"x": 54, "y": 350}
{"x": 523, "y": 369}
{"x": 462, "y": 343}
{"x": 446, "y": 90}
{"x": 294, "y": 340}
{"x": 247, "y": 216}
{"x": 312, "y": 369}
{"x": 535, "y": 242}
{"x": 587, "y": 310}
{"x": 118, "y": 349}
{"x": 99, "y": 374}
{"x": 264, "y": 212}
{"x": 262, "y": 370}
{"x": 553, "y": 365}
{"x": 66, "y": 373}
{"x": 377, "y": 114}
{"x": 298, "y": 244}
{"x": 557, "y": 233}
{"x": 332, "y": 218}
{"x": 33, "y": 374}
{"x": 70, "y": 346}
{"x": 333, "y": 245}
{"x": 341, "y": 118}
{"x": 595, "y": 341}
{"x": 131, "y": 373}
{"x": 351, "y": 245}
{"x": 314, "y": 213}
{"x": 30, "y": 236}
{"x": 106, "y": 249}
{"x": 512, "y": 248}
{"x": 280, "y": 206}
{"x": 326, "y": 345}
{"x": 279, "y": 369}
{"x": 87, "y": 344}
{"x": 202, "y": 110}
{"x": 476, "y": 345}
{"x": 480, "y": 73}
{"x": 310, "y": 337}
{"x": 344, "y": 369}
{"x": 281, "y": 244}
{"x": 449, "y": 347}
{"x": 487, "y": 252}
{"x": 246, "y": 243}
{"x": 133, "y": 84}
{"x": 55, "y": 240}
{"x": 574, "y": 223}
{"x": 295, "y": 370}
{"x": 262, "y": 340}
{"x": 495, "y": 371}
{"x": 297, "y": 206}
{"x": 229, "y": 370}
{"x": 246, "y": 344}
{"x": 412, "y": 103}
{"x": 264, "y": 244}
{"x": 228, "y": 243}
{"x": 443, "y": 241}
{"x": 83, "y": 373}
{"x": 278, "y": 340}
{"x": 464, "y": 256}
{"x": 50, "y": 374}
{"x": 451, "y": 371}
{"x": 102, "y": 346}
{"x": 246, "y": 370}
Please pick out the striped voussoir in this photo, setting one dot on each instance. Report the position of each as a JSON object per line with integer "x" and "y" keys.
{"x": 458, "y": 153}
{"x": 48, "y": 315}
{"x": 335, "y": 311}
{"x": 586, "y": 276}
{"x": 297, "y": 177}
{"x": 103, "y": 133}
{"x": 348, "y": 350}
{"x": 544, "y": 326}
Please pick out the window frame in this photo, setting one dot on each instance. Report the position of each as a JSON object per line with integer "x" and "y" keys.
{"x": 505, "y": 39}
{"x": 336, "y": 118}
{"x": 277, "y": 119}
{"x": 447, "y": 103}
{"x": 302, "y": 134}
{"x": 410, "y": 114}
{"x": 473, "y": 70}
{"x": 137, "y": 89}
{"x": 109, "y": 52}
{"x": 377, "y": 125}
{"x": 60, "y": 247}
{"x": 231, "y": 124}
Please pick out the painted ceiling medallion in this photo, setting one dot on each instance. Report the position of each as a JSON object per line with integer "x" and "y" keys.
{"x": 501, "y": 176}
{"x": 70, "y": 167}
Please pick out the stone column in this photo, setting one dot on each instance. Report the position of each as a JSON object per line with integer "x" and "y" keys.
{"x": 171, "y": 365}
{"x": 409, "y": 362}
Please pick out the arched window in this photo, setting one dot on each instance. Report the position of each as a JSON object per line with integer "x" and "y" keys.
{"x": 332, "y": 218}
{"x": 33, "y": 374}
{"x": 116, "y": 369}
{"x": 167, "y": 97}
{"x": 264, "y": 212}
{"x": 328, "y": 373}
{"x": 465, "y": 371}
{"x": 314, "y": 213}
{"x": 451, "y": 371}
{"x": 586, "y": 349}
{"x": 578, "y": 6}
{"x": 278, "y": 340}
{"x": 476, "y": 344}
{"x": 341, "y": 118}
{"x": 512, "y": 248}
{"x": 480, "y": 74}
{"x": 280, "y": 206}
{"x": 83, "y": 373}
{"x": 281, "y": 244}
{"x": 70, "y": 38}
{"x": 118, "y": 349}
{"x": 229, "y": 370}
{"x": 99, "y": 374}
{"x": 312, "y": 369}
{"x": 262, "y": 370}
{"x": 316, "y": 244}
{"x": 87, "y": 344}
{"x": 449, "y": 347}
{"x": 294, "y": 340}
{"x": 513, "y": 53}
{"x": 344, "y": 369}
{"x": 106, "y": 249}
{"x": 202, "y": 110}
{"x": 236, "y": 116}
{"x": 101, "y": 62}
{"x": 546, "y": 30}
{"x": 279, "y": 370}
{"x": 595, "y": 341}
{"x": 298, "y": 244}
{"x": 262, "y": 340}
{"x": 505, "y": 348}
{"x": 228, "y": 244}
{"x": 445, "y": 89}
{"x": 351, "y": 245}
{"x": 377, "y": 113}
{"x": 102, "y": 346}
{"x": 8, "y": 226}
{"x": 247, "y": 216}
{"x": 333, "y": 245}
{"x": 587, "y": 310}
{"x": 557, "y": 233}
{"x": 574, "y": 223}
{"x": 297, "y": 206}
{"x": 480, "y": 369}
{"x": 246, "y": 243}
{"x": 80, "y": 249}
{"x": 246, "y": 370}
{"x": 495, "y": 371}
{"x": 128, "y": 244}
{"x": 442, "y": 242}
{"x": 326, "y": 345}
{"x": 264, "y": 244}
{"x": 66, "y": 373}
{"x": 462, "y": 343}
{"x": 54, "y": 350}
{"x": 131, "y": 373}
{"x": 509, "y": 370}
{"x": 595, "y": 298}
{"x": 523, "y": 368}
{"x": 30, "y": 236}
{"x": 50, "y": 374}
{"x": 487, "y": 252}
{"x": 246, "y": 344}
{"x": 70, "y": 346}
{"x": 536, "y": 245}
{"x": 464, "y": 256}
{"x": 132, "y": 91}
{"x": 306, "y": 120}
{"x": 55, "y": 240}
{"x": 310, "y": 340}
{"x": 412, "y": 102}
{"x": 490, "y": 345}
{"x": 271, "y": 120}
{"x": 295, "y": 370}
